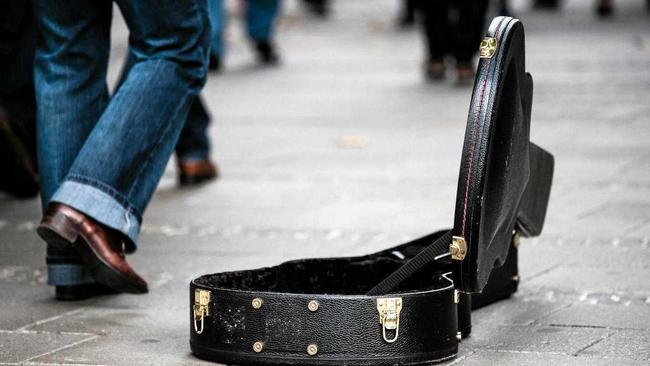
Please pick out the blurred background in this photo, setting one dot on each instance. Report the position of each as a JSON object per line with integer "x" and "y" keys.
{"x": 347, "y": 146}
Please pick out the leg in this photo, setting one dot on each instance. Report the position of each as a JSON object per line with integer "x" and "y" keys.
{"x": 71, "y": 93}
{"x": 260, "y": 19}
{"x": 408, "y": 10}
{"x": 115, "y": 173}
{"x": 469, "y": 30}
{"x": 436, "y": 30}
{"x": 193, "y": 143}
{"x": 217, "y": 17}
{"x": 193, "y": 147}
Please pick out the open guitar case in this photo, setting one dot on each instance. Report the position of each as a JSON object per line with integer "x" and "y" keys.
{"x": 411, "y": 304}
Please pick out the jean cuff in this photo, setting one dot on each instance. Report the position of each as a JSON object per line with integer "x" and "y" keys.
{"x": 68, "y": 275}
{"x": 102, "y": 207}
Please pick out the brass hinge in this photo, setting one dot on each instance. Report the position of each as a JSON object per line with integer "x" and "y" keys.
{"x": 389, "y": 309}
{"x": 201, "y": 308}
{"x": 458, "y": 248}
{"x": 488, "y": 47}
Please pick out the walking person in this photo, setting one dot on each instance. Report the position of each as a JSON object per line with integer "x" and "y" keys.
{"x": 193, "y": 148}
{"x": 457, "y": 37}
{"x": 100, "y": 156}
{"x": 260, "y": 21}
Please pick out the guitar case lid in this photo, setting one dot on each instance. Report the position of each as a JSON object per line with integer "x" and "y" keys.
{"x": 504, "y": 181}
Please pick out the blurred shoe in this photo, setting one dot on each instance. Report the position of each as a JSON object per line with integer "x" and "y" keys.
{"x": 266, "y": 53}
{"x": 320, "y": 8}
{"x": 546, "y": 4}
{"x": 465, "y": 73}
{"x": 82, "y": 292}
{"x": 434, "y": 70}
{"x": 101, "y": 248}
{"x": 604, "y": 9}
{"x": 18, "y": 169}
{"x": 192, "y": 172}
{"x": 214, "y": 63}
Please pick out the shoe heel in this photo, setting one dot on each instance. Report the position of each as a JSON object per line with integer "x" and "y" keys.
{"x": 532, "y": 209}
{"x": 57, "y": 230}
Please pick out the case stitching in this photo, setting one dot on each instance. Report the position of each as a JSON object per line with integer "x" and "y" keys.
{"x": 477, "y": 118}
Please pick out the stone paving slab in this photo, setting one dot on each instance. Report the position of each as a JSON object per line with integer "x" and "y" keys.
{"x": 497, "y": 358}
{"x": 21, "y": 347}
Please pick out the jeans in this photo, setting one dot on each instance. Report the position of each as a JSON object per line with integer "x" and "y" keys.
{"x": 101, "y": 154}
{"x": 193, "y": 142}
{"x": 260, "y": 15}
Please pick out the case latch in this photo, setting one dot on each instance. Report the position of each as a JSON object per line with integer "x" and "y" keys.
{"x": 201, "y": 308}
{"x": 458, "y": 248}
{"x": 389, "y": 309}
{"x": 488, "y": 47}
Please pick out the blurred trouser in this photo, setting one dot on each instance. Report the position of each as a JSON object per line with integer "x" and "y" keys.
{"x": 17, "y": 104}
{"x": 105, "y": 155}
{"x": 461, "y": 39}
{"x": 194, "y": 144}
{"x": 260, "y": 16}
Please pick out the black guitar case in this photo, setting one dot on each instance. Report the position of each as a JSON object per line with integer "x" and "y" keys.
{"x": 411, "y": 304}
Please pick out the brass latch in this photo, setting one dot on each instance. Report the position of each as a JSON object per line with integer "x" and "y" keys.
{"x": 458, "y": 248}
{"x": 201, "y": 308}
{"x": 389, "y": 309}
{"x": 488, "y": 47}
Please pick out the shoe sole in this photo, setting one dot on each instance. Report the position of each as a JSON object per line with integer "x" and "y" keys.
{"x": 103, "y": 272}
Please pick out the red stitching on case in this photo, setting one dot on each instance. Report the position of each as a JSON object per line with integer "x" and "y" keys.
{"x": 477, "y": 118}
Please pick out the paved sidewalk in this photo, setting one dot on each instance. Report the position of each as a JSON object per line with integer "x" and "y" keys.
{"x": 344, "y": 150}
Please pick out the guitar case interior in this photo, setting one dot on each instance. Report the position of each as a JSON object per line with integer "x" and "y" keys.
{"x": 411, "y": 304}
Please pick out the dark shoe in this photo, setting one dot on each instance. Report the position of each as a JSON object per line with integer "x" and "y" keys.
{"x": 82, "y": 292}
{"x": 192, "y": 172}
{"x": 101, "y": 248}
{"x": 319, "y": 8}
{"x": 604, "y": 9}
{"x": 434, "y": 70}
{"x": 266, "y": 53}
{"x": 215, "y": 63}
{"x": 465, "y": 73}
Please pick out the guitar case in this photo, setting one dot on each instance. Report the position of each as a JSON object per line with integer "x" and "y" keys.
{"x": 410, "y": 304}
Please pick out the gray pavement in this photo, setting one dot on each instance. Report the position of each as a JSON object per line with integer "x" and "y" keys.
{"x": 344, "y": 150}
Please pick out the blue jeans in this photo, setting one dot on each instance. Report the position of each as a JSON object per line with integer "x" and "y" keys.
{"x": 260, "y": 16}
{"x": 193, "y": 142}
{"x": 101, "y": 154}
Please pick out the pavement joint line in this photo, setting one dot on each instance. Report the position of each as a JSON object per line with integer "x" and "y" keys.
{"x": 50, "y": 319}
{"x": 57, "y": 364}
{"x": 597, "y": 327}
{"x": 70, "y": 345}
{"x": 26, "y": 331}
{"x": 543, "y": 272}
{"x": 537, "y": 322}
{"x": 609, "y": 334}
{"x": 522, "y": 352}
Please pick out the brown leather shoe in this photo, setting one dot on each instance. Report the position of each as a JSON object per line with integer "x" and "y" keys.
{"x": 465, "y": 73}
{"x": 101, "y": 248}
{"x": 191, "y": 172}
